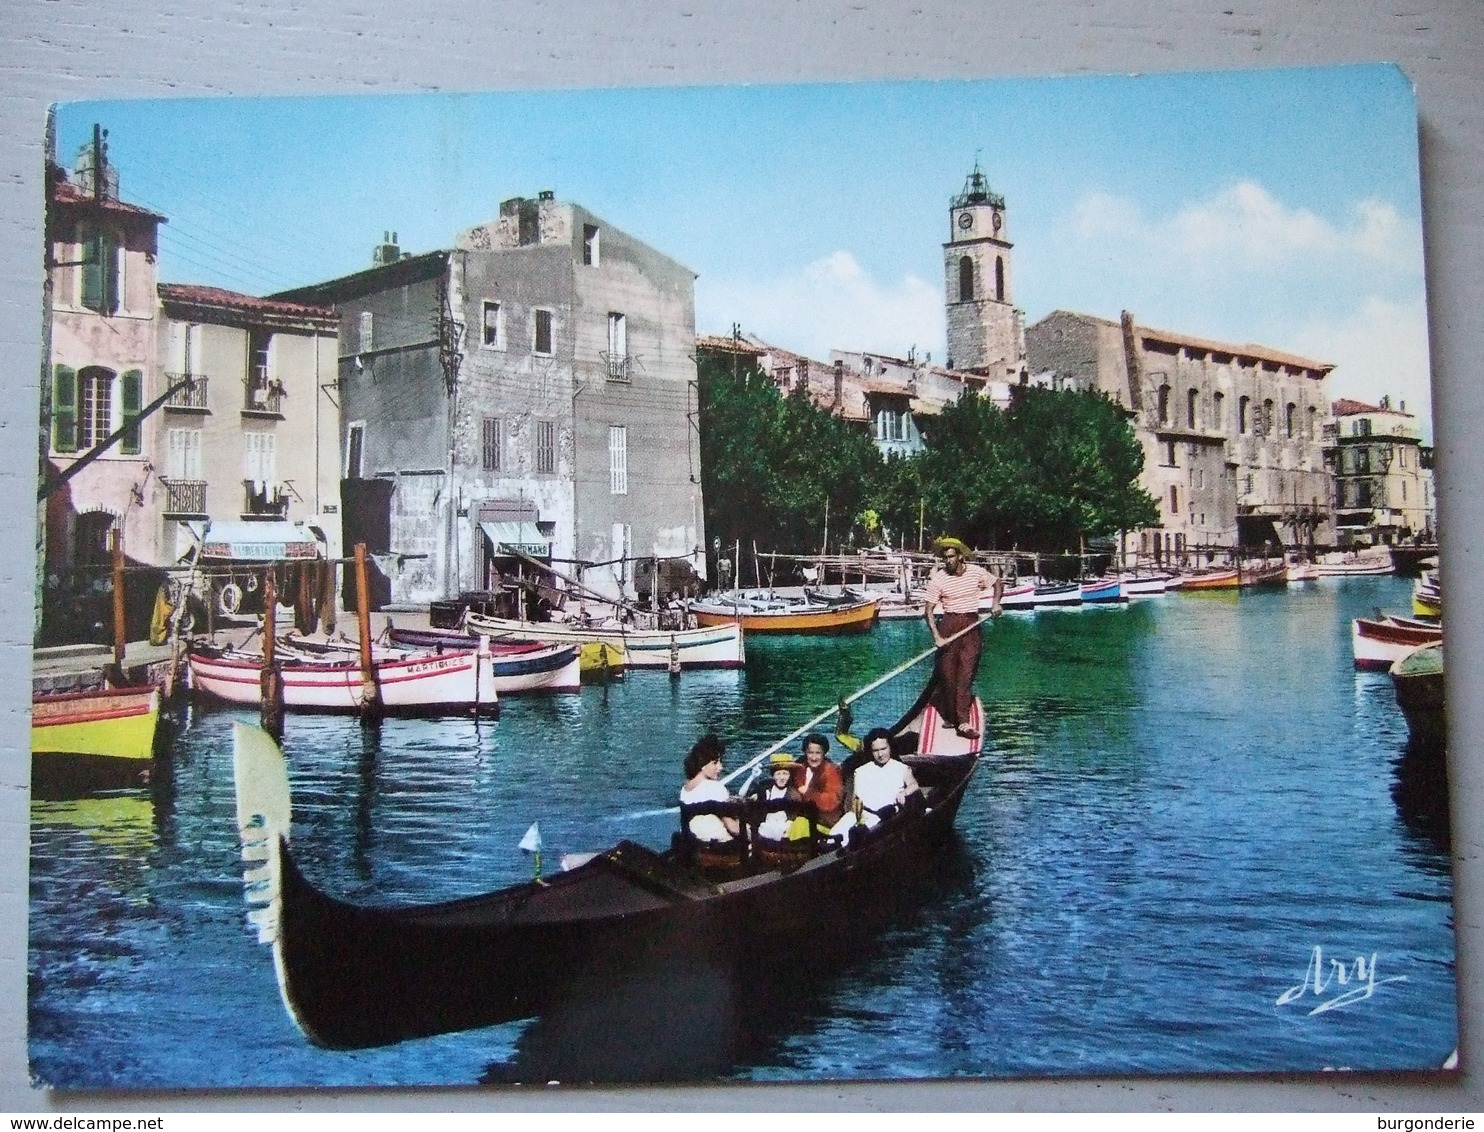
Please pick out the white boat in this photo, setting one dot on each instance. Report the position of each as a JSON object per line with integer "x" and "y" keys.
{"x": 1380, "y": 644}
{"x": 1356, "y": 567}
{"x": 427, "y": 683}
{"x": 1144, "y": 585}
{"x": 1302, "y": 571}
{"x": 525, "y": 666}
{"x": 719, "y": 646}
{"x": 1014, "y": 597}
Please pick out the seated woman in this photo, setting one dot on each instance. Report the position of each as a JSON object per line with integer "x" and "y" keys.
{"x": 702, "y": 770}
{"x": 882, "y": 786}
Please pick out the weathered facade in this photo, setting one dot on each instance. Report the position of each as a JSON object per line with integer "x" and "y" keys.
{"x": 102, "y": 366}
{"x": 1232, "y": 434}
{"x": 1382, "y": 488}
{"x": 256, "y": 436}
{"x": 529, "y": 389}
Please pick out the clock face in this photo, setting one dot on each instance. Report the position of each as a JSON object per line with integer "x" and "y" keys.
{"x": 966, "y": 220}
{"x": 997, "y": 221}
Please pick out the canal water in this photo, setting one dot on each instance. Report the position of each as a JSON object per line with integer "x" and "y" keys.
{"x": 1198, "y": 843}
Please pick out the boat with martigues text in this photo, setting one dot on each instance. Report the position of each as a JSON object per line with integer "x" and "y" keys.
{"x": 97, "y": 739}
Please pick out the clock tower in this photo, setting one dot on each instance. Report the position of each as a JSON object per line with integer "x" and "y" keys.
{"x": 986, "y": 334}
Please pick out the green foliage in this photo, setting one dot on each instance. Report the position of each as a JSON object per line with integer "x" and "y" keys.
{"x": 1054, "y": 468}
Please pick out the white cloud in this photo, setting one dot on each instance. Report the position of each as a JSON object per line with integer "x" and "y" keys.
{"x": 1377, "y": 350}
{"x": 828, "y": 304}
{"x": 1245, "y": 228}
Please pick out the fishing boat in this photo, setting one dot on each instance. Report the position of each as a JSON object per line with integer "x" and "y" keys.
{"x": 1055, "y": 595}
{"x": 1418, "y": 679}
{"x": 1144, "y": 585}
{"x": 1014, "y": 597}
{"x": 794, "y": 617}
{"x": 1358, "y": 567}
{"x": 1211, "y": 580}
{"x": 719, "y": 646}
{"x": 94, "y": 739}
{"x": 1427, "y": 596}
{"x": 1262, "y": 575}
{"x": 1103, "y": 591}
{"x": 1378, "y": 644}
{"x": 358, "y": 976}
{"x": 518, "y": 666}
{"x": 421, "y": 684}
{"x": 1302, "y": 572}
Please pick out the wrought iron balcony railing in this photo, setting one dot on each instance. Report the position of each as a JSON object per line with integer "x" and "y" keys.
{"x": 185, "y": 497}
{"x": 193, "y": 397}
{"x": 618, "y": 367}
{"x": 263, "y": 397}
{"x": 264, "y": 500}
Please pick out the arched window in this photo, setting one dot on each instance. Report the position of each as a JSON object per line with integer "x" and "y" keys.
{"x": 1218, "y": 410}
{"x": 965, "y": 279}
{"x": 1310, "y": 417}
{"x": 1164, "y": 404}
{"x": 999, "y": 278}
{"x": 1174, "y": 500}
{"x": 1288, "y": 412}
{"x": 1242, "y": 421}
{"x": 1192, "y": 399}
{"x": 1267, "y": 417}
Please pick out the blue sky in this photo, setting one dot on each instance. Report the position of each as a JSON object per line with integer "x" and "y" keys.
{"x": 1277, "y": 207}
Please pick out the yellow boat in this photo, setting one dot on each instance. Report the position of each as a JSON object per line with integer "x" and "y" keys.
{"x": 850, "y": 617}
{"x": 1426, "y": 606}
{"x": 1211, "y": 580}
{"x": 602, "y": 660}
{"x": 93, "y": 739}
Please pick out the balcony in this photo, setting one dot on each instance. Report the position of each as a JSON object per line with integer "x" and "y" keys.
{"x": 264, "y": 500}
{"x": 618, "y": 367}
{"x": 191, "y": 399}
{"x": 263, "y": 398}
{"x": 185, "y": 499}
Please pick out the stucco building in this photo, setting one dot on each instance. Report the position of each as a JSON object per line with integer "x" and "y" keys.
{"x": 1232, "y": 434}
{"x": 1382, "y": 486}
{"x": 530, "y": 389}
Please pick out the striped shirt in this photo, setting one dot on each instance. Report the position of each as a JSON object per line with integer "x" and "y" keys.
{"x": 958, "y": 593}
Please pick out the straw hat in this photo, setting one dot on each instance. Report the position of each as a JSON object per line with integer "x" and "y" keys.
{"x": 947, "y": 541}
{"x": 782, "y": 762}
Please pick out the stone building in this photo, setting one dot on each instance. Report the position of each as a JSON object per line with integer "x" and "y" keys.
{"x": 102, "y": 364}
{"x": 1382, "y": 483}
{"x": 1232, "y": 434}
{"x": 986, "y": 334}
{"x": 529, "y": 390}
{"x": 256, "y": 437}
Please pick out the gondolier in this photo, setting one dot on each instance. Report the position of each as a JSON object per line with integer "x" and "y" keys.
{"x": 958, "y": 586}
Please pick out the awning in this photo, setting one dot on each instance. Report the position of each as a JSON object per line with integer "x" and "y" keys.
{"x": 506, "y": 537}
{"x": 258, "y": 542}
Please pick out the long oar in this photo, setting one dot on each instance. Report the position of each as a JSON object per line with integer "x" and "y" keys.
{"x": 822, "y": 716}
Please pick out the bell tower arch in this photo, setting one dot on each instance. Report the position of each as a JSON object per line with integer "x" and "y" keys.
{"x": 986, "y": 334}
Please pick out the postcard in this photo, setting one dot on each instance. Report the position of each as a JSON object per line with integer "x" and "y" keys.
{"x": 872, "y": 581}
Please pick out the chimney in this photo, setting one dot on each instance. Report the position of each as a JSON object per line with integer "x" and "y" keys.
{"x": 1386, "y": 401}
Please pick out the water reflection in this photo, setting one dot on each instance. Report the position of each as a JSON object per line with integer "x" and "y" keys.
{"x": 1420, "y": 789}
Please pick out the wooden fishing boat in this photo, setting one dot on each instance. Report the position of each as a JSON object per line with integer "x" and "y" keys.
{"x": 1262, "y": 575}
{"x": 1302, "y": 572}
{"x": 1144, "y": 585}
{"x": 1358, "y": 567}
{"x": 94, "y": 739}
{"x": 1378, "y": 644}
{"x": 1058, "y": 594}
{"x": 1103, "y": 591}
{"x": 356, "y": 976}
{"x": 1418, "y": 679}
{"x": 720, "y": 646}
{"x": 423, "y": 684}
{"x": 518, "y": 666}
{"x": 805, "y": 617}
{"x": 1211, "y": 580}
{"x": 1014, "y": 597}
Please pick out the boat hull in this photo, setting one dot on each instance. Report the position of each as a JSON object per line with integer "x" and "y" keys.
{"x": 859, "y": 617}
{"x": 94, "y": 739}
{"x": 430, "y": 684}
{"x": 719, "y": 647}
{"x": 1357, "y": 569}
{"x": 1103, "y": 592}
{"x": 1215, "y": 580}
{"x": 1377, "y": 645}
{"x": 1418, "y": 679}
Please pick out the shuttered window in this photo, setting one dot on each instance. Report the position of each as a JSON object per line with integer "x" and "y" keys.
{"x": 545, "y": 447}
{"x": 183, "y": 454}
{"x": 100, "y": 271}
{"x": 618, "y": 459}
{"x": 64, "y": 409}
{"x": 492, "y": 437}
{"x": 262, "y": 462}
{"x": 95, "y": 406}
{"x": 131, "y": 393}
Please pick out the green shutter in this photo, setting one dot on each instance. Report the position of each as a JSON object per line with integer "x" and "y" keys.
{"x": 64, "y": 410}
{"x": 132, "y": 391}
{"x": 92, "y": 270}
{"x": 111, "y": 280}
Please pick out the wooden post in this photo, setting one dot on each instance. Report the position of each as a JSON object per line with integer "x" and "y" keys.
{"x": 271, "y": 676}
{"x": 370, "y": 693}
{"x": 120, "y": 627}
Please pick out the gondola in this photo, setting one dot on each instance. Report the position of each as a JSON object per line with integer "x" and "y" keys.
{"x": 355, "y": 976}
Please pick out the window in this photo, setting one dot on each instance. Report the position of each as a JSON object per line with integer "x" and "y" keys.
{"x": 1267, "y": 417}
{"x": 1169, "y": 453}
{"x": 1218, "y": 411}
{"x": 545, "y": 447}
{"x": 1192, "y": 398}
{"x": 618, "y": 459}
{"x": 94, "y": 406}
{"x": 492, "y": 436}
{"x": 262, "y": 395}
{"x": 261, "y": 466}
{"x": 1242, "y": 415}
{"x": 590, "y": 245}
{"x": 131, "y": 389}
{"x": 1174, "y": 500}
{"x": 1310, "y": 417}
{"x": 183, "y": 454}
{"x": 366, "y": 338}
{"x": 1164, "y": 404}
{"x": 355, "y": 440}
{"x": 618, "y": 347}
{"x": 965, "y": 279}
{"x": 1362, "y": 427}
{"x": 101, "y": 277}
{"x": 493, "y": 334}
{"x": 999, "y": 279}
{"x": 1288, "y": 414}
{"x": 1404, "y": 491}
{"x": 541, "y": 343}
{"x": 891, "y": 425}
